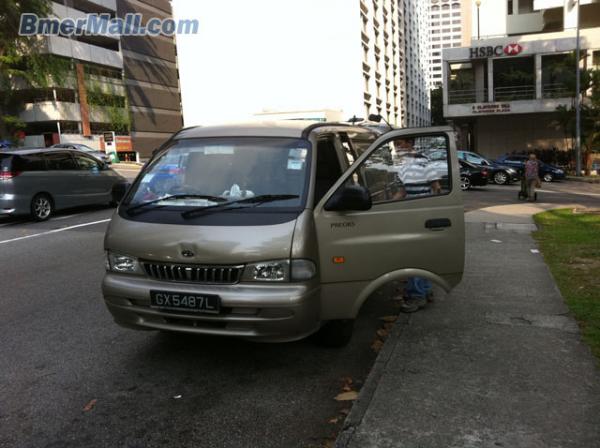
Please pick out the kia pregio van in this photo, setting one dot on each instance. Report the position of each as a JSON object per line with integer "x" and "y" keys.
{"x": 275, "y": 231}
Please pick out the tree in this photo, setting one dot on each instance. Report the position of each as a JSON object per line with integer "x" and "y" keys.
{"x": 590, "y": 108}
{"x": 437, "y": 107}
{"x": 22, "y": 61}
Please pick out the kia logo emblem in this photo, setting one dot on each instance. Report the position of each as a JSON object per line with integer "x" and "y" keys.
{"x": 187, "y": 253}
{"x": 513, "y": 49}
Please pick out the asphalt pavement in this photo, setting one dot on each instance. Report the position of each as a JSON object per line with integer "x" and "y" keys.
{"x": 69, "y": 377}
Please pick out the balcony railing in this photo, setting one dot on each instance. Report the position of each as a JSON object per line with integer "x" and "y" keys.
{"x": 514, "y": 93}
{"x": 556, "y": 91}
{"x": 467, "y": 96}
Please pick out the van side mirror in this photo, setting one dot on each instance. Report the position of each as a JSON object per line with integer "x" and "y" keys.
{"x": 119, "y": 190}
{"x": 350, "y": 198}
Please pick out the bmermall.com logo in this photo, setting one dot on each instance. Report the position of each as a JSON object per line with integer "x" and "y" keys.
{"x": 104, "y": 25}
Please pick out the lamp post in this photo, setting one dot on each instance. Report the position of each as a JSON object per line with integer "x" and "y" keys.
{"x": 478, "y": 3}
{"x": 578, "y": 101}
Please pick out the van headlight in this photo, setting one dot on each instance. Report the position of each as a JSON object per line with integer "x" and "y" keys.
{"x": 280, "y": 271}
{"x": 267, "y": 271}
{"x": 123, "y": 264}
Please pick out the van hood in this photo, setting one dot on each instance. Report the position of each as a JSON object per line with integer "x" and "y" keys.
{"x": 208, "y": 244}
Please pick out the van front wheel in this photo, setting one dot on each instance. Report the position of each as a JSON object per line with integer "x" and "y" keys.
{"x": 335, "y": 333}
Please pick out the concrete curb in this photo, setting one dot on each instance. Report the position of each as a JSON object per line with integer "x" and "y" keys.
{"x": 587, "y": 180}
{"x": 361, "y": 405}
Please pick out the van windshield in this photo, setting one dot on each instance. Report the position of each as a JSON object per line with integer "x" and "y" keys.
{"x": 198, "y": 173}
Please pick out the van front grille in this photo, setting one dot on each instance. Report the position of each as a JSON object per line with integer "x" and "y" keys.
{"x": 225, "y": 275}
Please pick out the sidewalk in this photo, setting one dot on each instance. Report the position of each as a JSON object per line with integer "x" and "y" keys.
{"x": 497, "y": 363}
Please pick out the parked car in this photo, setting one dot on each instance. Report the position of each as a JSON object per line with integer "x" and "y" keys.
{"x": 472, "y": 175}
{"x": 40, "y": 181}
{"x": 548, "y": 173}
{"x": 101, "y": 155}
{"x": 5, "y": 145}
{"x": 499, "y": 174}
{"x": 275, "y": 231}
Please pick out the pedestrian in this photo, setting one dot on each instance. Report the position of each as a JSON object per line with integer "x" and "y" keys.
{"x": 532, "y": 176}
{"x": 416, "y": 177}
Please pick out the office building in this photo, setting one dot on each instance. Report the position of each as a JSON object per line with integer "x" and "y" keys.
{"x": 127, "y": 85}
{"x": 502, "y": 92}
{"x": 449, "y": 27}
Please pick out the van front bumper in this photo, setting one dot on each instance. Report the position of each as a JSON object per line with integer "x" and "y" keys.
{"x": 262, "y": 312}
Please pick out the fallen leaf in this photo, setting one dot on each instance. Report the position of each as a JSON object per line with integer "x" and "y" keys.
{"x": 177, "y": 397}
{"x": 377, "y": 345}
{"x": 388, "y": 326}
{"x": 389, "y": 318}
{"x": 88, "y": 407}
{"x": 333, "y": 421}
{"x": 347, "y": 396}
{"x": 382, "y": 333}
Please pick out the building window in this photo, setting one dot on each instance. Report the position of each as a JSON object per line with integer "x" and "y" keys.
{"x": 525, "y": 6}
{"x": 510, "y": 7}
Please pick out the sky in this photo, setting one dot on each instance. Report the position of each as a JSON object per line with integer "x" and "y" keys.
{"x": 254, "y": 55}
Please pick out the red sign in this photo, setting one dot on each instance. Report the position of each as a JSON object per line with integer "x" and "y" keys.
{"x": 498, "y": 50}
{"x": 513, "y": 49}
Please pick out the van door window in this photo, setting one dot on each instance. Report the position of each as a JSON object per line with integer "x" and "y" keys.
{"x": 60, "y": 161}
{"x": 328, "y": 167}
{"x": 406, "y": 168}
{"x": 362, "y": 141}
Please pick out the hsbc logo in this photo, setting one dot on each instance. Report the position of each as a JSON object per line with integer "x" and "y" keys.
{"x": 498, "y": 50}
{"x": 512, "y": 49}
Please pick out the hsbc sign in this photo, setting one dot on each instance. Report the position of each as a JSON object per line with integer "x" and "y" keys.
{"x": 498, "y": 50}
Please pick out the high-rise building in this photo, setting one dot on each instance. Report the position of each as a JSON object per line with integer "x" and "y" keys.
{"x": 354, "y": 57}
{"x": 127, "y": 85}
{"x": 449, "y": 27}
{"x": 394, "y": 40}
{"x": 415, "y": 64}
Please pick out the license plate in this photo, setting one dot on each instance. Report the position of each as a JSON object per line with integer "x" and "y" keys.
{"x": 177, "y": 301}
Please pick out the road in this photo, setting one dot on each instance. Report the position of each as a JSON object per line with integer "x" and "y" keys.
{"x": 61, "y": 351}
{"x": 69, "y": 377}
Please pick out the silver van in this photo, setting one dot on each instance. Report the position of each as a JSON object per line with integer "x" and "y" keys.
{"x": 39, "y": 181}
{"x": 274, "y": 231}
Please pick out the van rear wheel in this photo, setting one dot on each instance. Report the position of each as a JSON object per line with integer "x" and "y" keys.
{"x": 41, "y": 207}
{"x": 335, "y": 333}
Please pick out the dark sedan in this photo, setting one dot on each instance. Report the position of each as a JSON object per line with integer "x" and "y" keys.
{"x": 100, "y": 155}
{"x": 498, "y": 173}
{"x": 548, "y": 173}
{"x": 472, "y": 175}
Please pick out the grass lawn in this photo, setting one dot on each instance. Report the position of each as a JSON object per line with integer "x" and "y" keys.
{"x": 571, "y": 247}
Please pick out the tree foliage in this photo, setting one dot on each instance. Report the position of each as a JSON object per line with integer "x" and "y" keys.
{"x": 437, "y": 107}
{"x": 590, "y": 107}
{"x": 23, "y": 63}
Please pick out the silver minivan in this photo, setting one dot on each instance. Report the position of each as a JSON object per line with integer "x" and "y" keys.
{"x": 275, "y": 231}
{"x": 39, "y": 181}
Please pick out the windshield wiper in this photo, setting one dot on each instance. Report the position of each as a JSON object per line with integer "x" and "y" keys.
{"x": 255, "y": 201}
{"x": 175, "y": 196}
